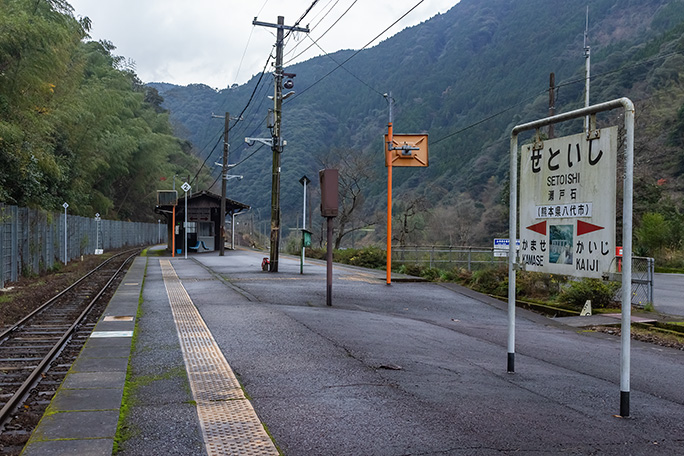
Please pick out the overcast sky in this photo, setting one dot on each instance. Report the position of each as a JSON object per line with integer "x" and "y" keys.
{"x": 203, "y": 41}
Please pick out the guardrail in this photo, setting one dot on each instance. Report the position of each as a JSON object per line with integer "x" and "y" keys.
{"x": 32, "y": 241}
{"x": 471, "y": 258}
{"x": 475, "y": 258}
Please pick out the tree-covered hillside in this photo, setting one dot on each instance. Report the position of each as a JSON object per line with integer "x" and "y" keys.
{"x": 76, "y": 124}
{"x": 466, "y": 77}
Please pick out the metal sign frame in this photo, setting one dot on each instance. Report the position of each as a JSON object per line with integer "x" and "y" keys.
{"x": 567, "y": 197}
{"x": 627, "y": 201}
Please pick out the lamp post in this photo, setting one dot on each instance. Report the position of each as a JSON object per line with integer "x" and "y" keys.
{"x": 226, "y": 177}
{"x": 232, "y": 242}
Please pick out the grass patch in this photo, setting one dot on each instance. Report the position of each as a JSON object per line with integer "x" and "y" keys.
{"x": 270, "y": 436}
{"x": 123, "y": 431}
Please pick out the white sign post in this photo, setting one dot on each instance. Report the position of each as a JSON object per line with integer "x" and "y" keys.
{"x": 186, "y": 187}
{"x": 98, "y": 224}
{"x": 65, "y": 206}
{"x": 567, "y": 204}
{"x": 571, "y": 226}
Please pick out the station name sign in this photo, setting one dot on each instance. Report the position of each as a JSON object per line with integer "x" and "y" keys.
{"x": 567, "y": 204}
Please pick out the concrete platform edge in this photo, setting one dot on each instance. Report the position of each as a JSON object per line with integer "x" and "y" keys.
{"x": 72, "y": 424}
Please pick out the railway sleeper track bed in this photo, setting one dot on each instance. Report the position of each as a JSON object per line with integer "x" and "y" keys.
{"x": 37, "y": 352}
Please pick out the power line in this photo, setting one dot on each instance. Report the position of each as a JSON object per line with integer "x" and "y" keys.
{"x": 357, "y": 52}
{"x": 261, "y": 76}
{"x": 207, "y": 158}
{"x": 563, "y": 84}
{"x": 324, "y": 15}
{"x": 249, "y": 38}
{"x": 296, "y": 24}
{"x": 241, "y": 145}
{"x": 311, "y": 29}
{"x": 329, "y": 28}
{"x": 239, "y": 117}
{"x": 385, "y": 30}
{"x": 344, "y": 68}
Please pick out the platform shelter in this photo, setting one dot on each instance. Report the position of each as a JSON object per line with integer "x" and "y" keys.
{"x": 204, "y": 219}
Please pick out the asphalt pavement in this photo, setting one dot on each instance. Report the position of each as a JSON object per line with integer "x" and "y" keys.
{"x": 668, "y": 293}
{"x": 408, "y": 369}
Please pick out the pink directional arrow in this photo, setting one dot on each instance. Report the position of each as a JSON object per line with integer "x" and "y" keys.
{"x": 584, "y": 228}
{"x": 538, "y": 227}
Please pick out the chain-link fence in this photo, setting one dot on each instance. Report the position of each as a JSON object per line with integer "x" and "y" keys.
{"x": 32, "y": 241}
{"x": 643, "y": 271}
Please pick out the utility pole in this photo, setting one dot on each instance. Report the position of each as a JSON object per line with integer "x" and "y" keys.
{"x": 277, "y": 140}
{"x": 222, "y": 235}
{"x": 224, "y": 178}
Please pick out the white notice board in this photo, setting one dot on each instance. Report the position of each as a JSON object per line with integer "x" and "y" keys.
{"x": 567, "y": 204}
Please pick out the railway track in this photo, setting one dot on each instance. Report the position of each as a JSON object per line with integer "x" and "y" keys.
{"x": 37, "y": 352}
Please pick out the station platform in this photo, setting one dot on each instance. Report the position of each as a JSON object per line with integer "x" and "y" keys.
{"x": 82, "y": 417}
{"x": 210, "y": 355}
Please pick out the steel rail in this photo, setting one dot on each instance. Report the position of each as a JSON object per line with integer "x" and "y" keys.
{"x": 57, "y": 296}
{"x": 56, "y": 349}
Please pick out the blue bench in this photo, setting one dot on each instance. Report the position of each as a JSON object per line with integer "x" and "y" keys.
{"x": 197, "y": 247}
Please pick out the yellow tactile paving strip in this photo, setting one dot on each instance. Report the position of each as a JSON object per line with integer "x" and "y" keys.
{"x": 229, "y": 424}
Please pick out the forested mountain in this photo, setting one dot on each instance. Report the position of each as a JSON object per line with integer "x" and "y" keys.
{"x": 76, "y": 124}
{"x": 466, "y": 77}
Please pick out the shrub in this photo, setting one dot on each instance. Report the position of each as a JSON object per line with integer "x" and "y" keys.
{"x": 415, "y": 270}
{"x": 601, "y": 294}
{"x": 539, "y": 285}
{"x": 491, "y": 281}
{"x": 432, "y": 274}
{"x": 368, "y": 257}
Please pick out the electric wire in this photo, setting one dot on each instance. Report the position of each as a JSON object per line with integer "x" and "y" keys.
{"x": 261, "y": 76}
{"x": 237, "y": 164}
{"x": 468, "y": 127}
{"x": 344, "y": 68}
{"x": 239, "y": 133}
{"x": 359, "y": 51}
{"x": 558, "y": 86}
{"x": 312, "y": 28}
{"x": 207, "y": 158}
{"x": 239, "y": 116}
{"x": 249, "y": 38}
{"x": 289, "y": 32}
{"x": 271, "y": 56}
{"x": 339, "y": 65}
{"x": 622, "y": 68}
{"x": 323, "y": 34}
{"x": 322, "y": 10}
{"x": 243, "y": 145}
{"x": 242, "y": 59}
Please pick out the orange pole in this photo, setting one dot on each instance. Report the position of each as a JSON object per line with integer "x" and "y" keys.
{"x": 173, "y": 233}
{"x": 388, "y": 159}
